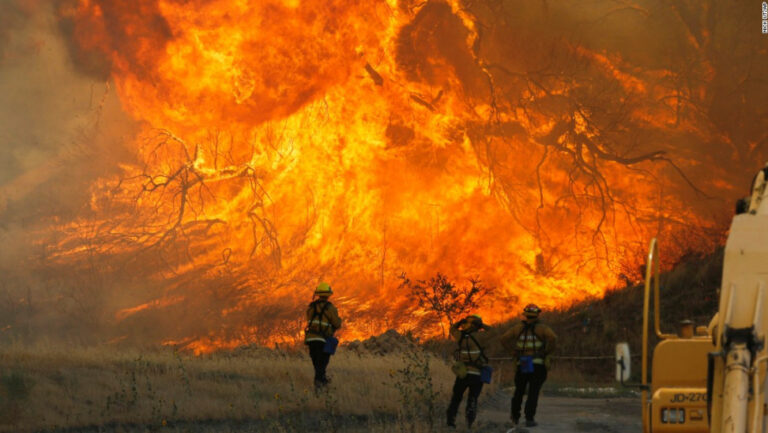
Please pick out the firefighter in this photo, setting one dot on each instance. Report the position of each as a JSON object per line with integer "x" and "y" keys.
{"x": 531, "y": 342}
{"x": 322, "y": 321}
{"x": 471, "y": 360}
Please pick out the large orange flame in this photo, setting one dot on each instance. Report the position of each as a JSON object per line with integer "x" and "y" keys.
{"x": 291, "y": 141}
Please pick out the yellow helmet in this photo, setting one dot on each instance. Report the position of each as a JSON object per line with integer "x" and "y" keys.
{"x": 323, "y": 289}
{"x": 531, "y": 311}
{"x": 474, "y": 320}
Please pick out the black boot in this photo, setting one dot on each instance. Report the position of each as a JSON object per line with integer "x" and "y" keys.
{"x": 451, "y": 420}
{"x": 320, "y": 385}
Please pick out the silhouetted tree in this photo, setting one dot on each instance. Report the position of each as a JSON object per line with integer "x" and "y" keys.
{"x": 445, "y": 299}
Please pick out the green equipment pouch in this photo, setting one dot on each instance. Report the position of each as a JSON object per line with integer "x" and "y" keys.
{"x": 459, "y": 369}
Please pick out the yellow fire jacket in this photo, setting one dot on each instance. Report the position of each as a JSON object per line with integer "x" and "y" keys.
{"x": 322, "y": 321}
{"x": 530, "y": 338}
{"x": 470, "y": 350}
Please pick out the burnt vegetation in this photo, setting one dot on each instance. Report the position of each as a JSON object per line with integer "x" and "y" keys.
{"x": 446, "y": 300}
{"x": 610, "y": 111}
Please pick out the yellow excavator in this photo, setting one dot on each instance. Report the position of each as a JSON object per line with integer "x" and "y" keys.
{"x": 712, "y": 379}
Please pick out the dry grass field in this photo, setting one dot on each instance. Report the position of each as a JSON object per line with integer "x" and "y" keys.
{"x": 49, "y": 388}
{"x": 385, "y": 384}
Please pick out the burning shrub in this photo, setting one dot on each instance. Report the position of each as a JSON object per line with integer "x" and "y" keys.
{"x": 444, "y": 299}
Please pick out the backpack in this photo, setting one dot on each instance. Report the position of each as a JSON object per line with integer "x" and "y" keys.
{"x": 318, "y": 328}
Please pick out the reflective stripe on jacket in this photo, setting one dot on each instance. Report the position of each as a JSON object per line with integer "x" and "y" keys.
{"x": 320, "y": 326}
{"x": 529, "y": 344}
{"x": 530, "y": 339}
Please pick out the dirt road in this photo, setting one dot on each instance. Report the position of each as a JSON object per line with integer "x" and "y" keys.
{"x": 564, "y": 415}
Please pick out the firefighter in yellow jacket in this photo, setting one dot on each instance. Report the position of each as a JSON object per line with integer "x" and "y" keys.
{"x": 531, "y": 342}
{"x": 471, "y": 360}
{"x": 322, "y": 321}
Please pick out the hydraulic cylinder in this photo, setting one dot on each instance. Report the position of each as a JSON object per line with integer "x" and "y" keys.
{"x": 736, "y": 389}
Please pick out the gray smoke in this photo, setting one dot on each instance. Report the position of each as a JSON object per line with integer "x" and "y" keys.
{"x": 60, "y": 130}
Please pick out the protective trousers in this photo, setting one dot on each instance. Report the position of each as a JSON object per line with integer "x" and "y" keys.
{"x": 320, "y": 361}
{"x": 533, "y": 381}
{"x": 475, "y": 385}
